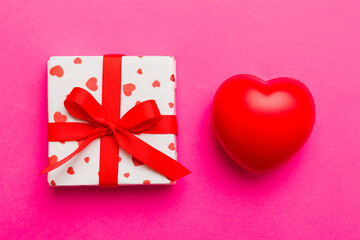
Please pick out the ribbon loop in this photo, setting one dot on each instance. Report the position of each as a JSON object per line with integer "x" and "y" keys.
{"x": 141, "y": 117}
{"x": 81, "y": 104}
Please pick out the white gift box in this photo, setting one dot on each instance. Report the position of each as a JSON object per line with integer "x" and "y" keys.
{"x": 144, "y": 78}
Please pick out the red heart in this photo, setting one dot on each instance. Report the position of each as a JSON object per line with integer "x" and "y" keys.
{"x": 171, "y": 105}
{"x": 171, "y": 146}
{"x": 139, "y": 71}
{"x": 53, "y": 183}
{"x": 77, "y": 60}
{"x": 92, "y": 84}
{"x": 172, "y": 78}
{"x": 126, "y": 175}
{"x": 146, "y": 182}
{"x": 58, "y": 117}
{"x": 57, "y": 71}
{"x": 70, "y": 171}
{"x": 136, "y": 162}
{"x": 86, "y": 159}
{"x": 120, "y": 159}
{"x": 53, "y": 159}
{"x": 262, "y": 124}
{"x": 128, "y": 89}
{"x": 156, "y": 83}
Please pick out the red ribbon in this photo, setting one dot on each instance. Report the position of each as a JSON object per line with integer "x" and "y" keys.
{"x": 114, "y": 132}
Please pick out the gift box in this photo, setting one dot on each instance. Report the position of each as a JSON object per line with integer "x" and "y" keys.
{"x": 112, "y": 121}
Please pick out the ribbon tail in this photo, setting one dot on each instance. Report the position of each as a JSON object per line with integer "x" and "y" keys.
{"x": 150, "y": 156}
{"x": 83, "y": 145}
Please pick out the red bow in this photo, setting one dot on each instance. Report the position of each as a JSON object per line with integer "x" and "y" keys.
{"x": 142, "y": 118}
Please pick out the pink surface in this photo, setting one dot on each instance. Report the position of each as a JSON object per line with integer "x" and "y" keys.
{"x": 315, "y": 196}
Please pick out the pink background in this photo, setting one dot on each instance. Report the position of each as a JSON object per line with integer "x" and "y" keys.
{"x": 315, "y": 196}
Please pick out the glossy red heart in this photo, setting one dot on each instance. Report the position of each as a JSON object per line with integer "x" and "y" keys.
{"x": 261, "y": 124}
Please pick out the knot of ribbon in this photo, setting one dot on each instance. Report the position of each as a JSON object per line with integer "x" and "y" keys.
{"x": 142, "y": 118}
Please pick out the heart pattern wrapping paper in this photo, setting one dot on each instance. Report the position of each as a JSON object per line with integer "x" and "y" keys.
{"x": 143, "y": 78}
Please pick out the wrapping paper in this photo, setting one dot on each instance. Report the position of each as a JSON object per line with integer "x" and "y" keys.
{"x": 143, "y": 78}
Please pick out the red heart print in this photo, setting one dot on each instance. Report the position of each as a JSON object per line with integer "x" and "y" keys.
{"x": 139, "y": 71}
{"x": 92, "y": 84}
{"x": 53, "y": 183}
{"x": 262, "y": 124}
{"x": 171, "y": 146}
{"x": 86, "y": 159}
{"x": 171, "y": 105}
{"x": 77, "y": 60}
{"x": 58, "y": 117}
{"x": 120, "y": 159}
{"x": 146, "y": 182}
{"x": 71, "y": 171}
{"x": 156, "y": 83}
{"x": 53, "y": 159}
{"x": 126, "y": 175}
{"x": 136, "y": 162}
{"x": 140, "y": 56}
{"x": 172, "y": 78}
{"x": 57, "y": 71}
{"x": 128, "y": 89}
